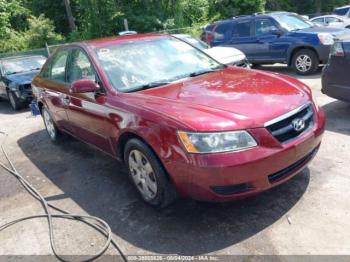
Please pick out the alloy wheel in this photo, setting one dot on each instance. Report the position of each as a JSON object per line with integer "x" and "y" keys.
{"x": 50, "y": 127}
{"x": 303, "y": 63}
{"x": 142, "y": 174}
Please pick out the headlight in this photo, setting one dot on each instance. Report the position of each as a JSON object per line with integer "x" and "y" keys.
{"x": 326, "y": 39}
{"x": 216, "y": 142}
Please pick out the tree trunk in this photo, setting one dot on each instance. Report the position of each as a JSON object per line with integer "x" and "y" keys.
{"x": 70, "y": 17}
{"x": 318, "y": 4}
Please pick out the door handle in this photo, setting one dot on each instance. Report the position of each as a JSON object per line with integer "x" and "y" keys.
{"x": 65, "y": 99}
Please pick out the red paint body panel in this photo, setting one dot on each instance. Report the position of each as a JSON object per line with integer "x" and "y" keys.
{"x": 230, "y": 99}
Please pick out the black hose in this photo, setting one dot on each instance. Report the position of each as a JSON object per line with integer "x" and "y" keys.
{"x": 99, "y": 225}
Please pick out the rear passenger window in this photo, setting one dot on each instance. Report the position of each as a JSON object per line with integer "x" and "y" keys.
{"x": 241, "y": 29}
{"x": 58, "y": 66}
{"x": 222, "y": 31}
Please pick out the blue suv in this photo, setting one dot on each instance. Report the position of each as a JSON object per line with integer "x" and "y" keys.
{"x": 277, "y": 37}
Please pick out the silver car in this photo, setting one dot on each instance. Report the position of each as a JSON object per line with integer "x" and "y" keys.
{"x": 332, "y": 21}
{"x": 223, "y": 54}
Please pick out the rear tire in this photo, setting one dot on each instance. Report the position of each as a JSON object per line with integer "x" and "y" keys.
{"x": 14, "y": 101}
{"x": 148, "y": 175}
{"x": 54, "y": 133}
{"x": 305, "y": 62}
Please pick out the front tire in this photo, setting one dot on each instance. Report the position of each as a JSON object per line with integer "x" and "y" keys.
{"x": 53, "y": 132}
{"x": 305, "y": 62}
{"x": 14, "y": 101}
{"x": 148, "y": 175}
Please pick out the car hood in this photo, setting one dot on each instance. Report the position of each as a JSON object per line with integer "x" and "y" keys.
{"x": 337, "y": 32}
{"x": 232, "y": 98}
{"x": 22, "y": 78}
{"x": 223, "y": 54}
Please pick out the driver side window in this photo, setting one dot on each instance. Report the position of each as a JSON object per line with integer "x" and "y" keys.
{"x": 80, "y": 67}
{"x": 263, "y": 27}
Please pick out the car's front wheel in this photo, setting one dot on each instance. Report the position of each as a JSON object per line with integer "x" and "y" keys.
{"x": 148, "y": 175}
{"x": 14, "y": 101}
{"x": 305, "y": 62}
{"x": 53, "y": 132}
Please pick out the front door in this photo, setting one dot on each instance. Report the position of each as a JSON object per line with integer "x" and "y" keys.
{"x": 269, "y": 45}
{"x": 87, "y": 111}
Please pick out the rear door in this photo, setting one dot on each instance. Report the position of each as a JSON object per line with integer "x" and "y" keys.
{"x": 243, "y": 39}
{"x": 221, "y": 34}
{"x": 54, "y": 88}
{"x": 334, "y": 22}
{"x": 87, "y": 111}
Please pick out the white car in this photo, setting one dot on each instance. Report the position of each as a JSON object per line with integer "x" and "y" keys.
{"x": 224, "y": 55}
{"x": 332, "y": 21}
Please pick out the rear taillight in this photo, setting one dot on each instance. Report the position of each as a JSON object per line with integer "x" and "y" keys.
{"x": 209, "y": 38}
{"x": 337, "y": 49}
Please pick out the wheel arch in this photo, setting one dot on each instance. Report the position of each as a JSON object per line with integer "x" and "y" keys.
{"x": 127, "y": 136}
{"x": 297, "y": 49}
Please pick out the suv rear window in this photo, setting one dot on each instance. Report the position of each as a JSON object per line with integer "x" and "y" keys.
{"x": 222, "y": 31}
{"x": 242, "y": 29}
{"x": 341, "y": 11}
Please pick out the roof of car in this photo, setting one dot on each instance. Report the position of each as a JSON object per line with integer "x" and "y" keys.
{"x": 322, "y": 16}
{"x": 101, "y": 42}
{"x": 256, "y": 15}
{"x": 345, "y": 6}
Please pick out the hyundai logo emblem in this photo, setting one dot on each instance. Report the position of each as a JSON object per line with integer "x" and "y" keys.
{"x": 298, "y": 124}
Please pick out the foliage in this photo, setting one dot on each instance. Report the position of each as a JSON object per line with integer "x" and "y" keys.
{"x": 30, "y": 23}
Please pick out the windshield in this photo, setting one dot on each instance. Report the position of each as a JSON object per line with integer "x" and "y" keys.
{"x": 293, "y": 22}
{"x": 132, "y": 65}
{"x": 23, "y": 64}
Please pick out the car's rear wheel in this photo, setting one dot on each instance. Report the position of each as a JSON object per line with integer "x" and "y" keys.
{"x": 14, "y": 101}
{"x": 148, "y": 175}
{"x": 53, "y": 132}
{"x": 305, "y": 62}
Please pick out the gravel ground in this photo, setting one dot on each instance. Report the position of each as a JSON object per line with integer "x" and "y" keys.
{"x": 310, "y": 214}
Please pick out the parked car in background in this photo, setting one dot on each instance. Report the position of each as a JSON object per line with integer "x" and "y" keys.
{"x": 184, "y": 124}
{"x": 224, "y": 55}
{"x": 277, "y": 37}
{"x": 332, "y": 21}
{"x": 16, "y": 75}
{"x": 342, "y": 11}
{"x": 336, "y": 77}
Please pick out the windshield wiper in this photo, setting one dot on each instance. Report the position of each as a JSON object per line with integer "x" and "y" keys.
{"x": 14, "y": 73}
{"x": 202, "y": 72}
{"x": 149, "y": 85}
{"x": 35, "y": 69}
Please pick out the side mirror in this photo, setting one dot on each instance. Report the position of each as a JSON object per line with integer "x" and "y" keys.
{"x": 277, "y": 32}
{"x": 84, "y": 86}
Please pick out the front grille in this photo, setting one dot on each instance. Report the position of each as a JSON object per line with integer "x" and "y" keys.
{"x": 290, "y": 169}
{"x": 282, "y": 128}
{"x": 26, "y": 87}
{"x": 230, "y": 190}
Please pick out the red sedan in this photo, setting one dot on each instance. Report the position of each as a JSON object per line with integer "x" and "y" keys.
{"x": 184, "y": 124}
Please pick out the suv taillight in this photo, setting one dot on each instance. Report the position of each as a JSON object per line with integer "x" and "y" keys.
{"x": 337, "y": 49}
{"x": 209, "y": 38}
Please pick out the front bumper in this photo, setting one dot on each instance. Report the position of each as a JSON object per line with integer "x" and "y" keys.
{"x": 235, "y": 175}
{"x": 323, "y": 53}
{"x": 25, "y": 96}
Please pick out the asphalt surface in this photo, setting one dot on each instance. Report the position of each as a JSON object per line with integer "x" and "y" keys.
{"x": 310, "y": 214}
